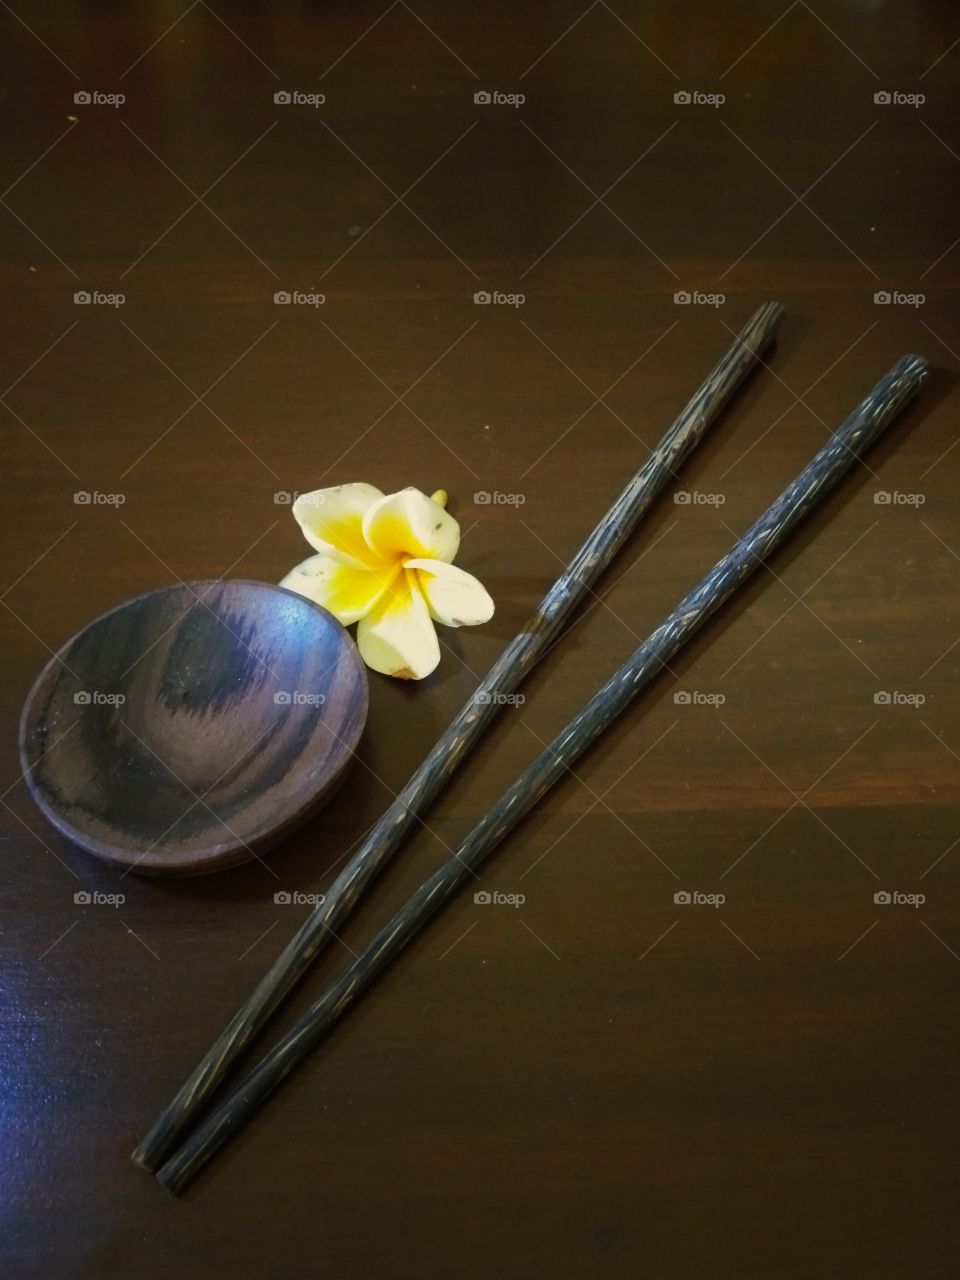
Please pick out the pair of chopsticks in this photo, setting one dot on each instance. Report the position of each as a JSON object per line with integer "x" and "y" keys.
{"x": 176, "y": 1157}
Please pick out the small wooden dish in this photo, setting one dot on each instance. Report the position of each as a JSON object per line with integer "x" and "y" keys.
{"x": 195, "y": 726}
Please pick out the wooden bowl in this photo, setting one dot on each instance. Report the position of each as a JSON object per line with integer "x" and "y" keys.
{"x": 193, "y": 727}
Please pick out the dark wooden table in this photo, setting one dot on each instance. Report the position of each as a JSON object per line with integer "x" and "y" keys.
{"x": 600, "y": 1081}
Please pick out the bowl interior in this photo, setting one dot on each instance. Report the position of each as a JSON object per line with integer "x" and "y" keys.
{"x": 192, "y": 727}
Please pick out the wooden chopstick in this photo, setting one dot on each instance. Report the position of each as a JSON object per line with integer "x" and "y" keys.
{"x": 519, "y": 657}
{"x": 810, "y": 487}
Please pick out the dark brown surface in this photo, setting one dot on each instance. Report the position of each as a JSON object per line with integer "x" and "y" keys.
{"x": 598, "y": 1082}
{"x": 193, "y": 727}
{"x": 564, "y": 599}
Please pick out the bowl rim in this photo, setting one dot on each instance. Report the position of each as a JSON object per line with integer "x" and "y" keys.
{"x": 235, "y": 850}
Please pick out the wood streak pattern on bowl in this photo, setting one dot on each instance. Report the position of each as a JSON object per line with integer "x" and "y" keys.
{"x": 193, "y": 727}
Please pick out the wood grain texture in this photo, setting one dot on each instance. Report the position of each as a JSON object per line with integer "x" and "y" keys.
{"x": 597, "y": 1082}
{"x": 872, "y": 416}
{"x": 194, "y": 727}
{"x": 494, "y": 693}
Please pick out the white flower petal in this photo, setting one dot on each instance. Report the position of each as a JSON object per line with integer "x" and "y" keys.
{"x": 347, "y": 592}
{"x": 454, "y": 597}
{"x": 397, "y": 636}
{"x": 409, "y": 523}
{"x": 332, "y": 522}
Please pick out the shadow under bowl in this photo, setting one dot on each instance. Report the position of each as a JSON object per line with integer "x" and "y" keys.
{"x": 193, "y": 727}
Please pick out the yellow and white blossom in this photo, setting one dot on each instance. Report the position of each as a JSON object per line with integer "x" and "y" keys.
{"x": 385, "y": 561}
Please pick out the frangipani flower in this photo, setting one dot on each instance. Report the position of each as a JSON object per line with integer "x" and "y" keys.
{"x": 386, "y": 563}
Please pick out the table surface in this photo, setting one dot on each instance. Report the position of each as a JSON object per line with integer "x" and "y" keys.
{"x": 599, "y": 1081}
